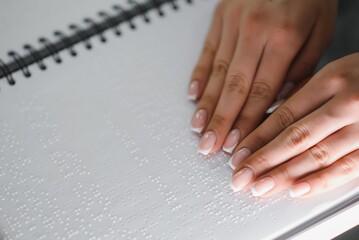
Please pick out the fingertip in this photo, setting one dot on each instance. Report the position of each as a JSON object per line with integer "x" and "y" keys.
{"x": 197, "y": 130}
{"x": 299, "y": 190}
{"x": 228, "y": 150}
{"x": 231, "y": 141}
{"x": 275, "y": 106}
{"x": 207, "y": 142}
{"x": 230, "y": 164}
{"x": 193, "y": 90}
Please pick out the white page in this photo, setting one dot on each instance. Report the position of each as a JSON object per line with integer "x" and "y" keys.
{"x": 100, "y": 147}
{"x": 24, "y": 21}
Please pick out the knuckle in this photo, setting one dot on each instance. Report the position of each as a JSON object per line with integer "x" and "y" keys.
{"x": 200, "y": 72}
{"x": 218, "y": 120}
{"x": 322, "y": 180}
{"x": 285, "y": 117}
{"x": 207, "y": 101}
{"x": 261, "y": 140}
{"x": 236, "y": 83}
{"x": 319, "y": 154}
{"x": 353, "y": 101}
{"x": 262, "y": 162}
{"x": 231, "y": 16}
{"x": 220, "y": 67}
{"x": 298, "y": 135}
{"x": 286, "y": 33}
{"x": 335, "y": 79}
{"x": 260, "y": 90}
{"x": 284, "y": 173}
{"x": 209, "y": 49}
{"x": 256, "y": 17}
{"x": 348, "y": 166}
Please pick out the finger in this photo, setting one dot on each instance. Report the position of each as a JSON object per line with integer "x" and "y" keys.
{"x": 291, "y": 142}
{"x": 234, "y": 93}
{"x": 203, "y": 67}
{"x": 288, "y": 90}
{"x": 211, "y": 94}
{"x": 289, "y": 112}
{"x": 270, "y": 74}
{"x": 339, "y": 173}
{"x": 321, "y": 155}
{"x": 309, "y": 56}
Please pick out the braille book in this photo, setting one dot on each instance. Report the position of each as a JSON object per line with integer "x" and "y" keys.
{"x": 95, "y": 139}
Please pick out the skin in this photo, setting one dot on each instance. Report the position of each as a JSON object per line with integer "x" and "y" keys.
{"x": 313, "y": 138}
{"x": 252, "y": 47}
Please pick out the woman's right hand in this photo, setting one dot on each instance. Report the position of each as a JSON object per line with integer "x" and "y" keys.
{"x": 251, "y": 48}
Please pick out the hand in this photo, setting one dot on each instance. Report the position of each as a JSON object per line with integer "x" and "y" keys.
{"x": 252, "y": 46}
{"x": 311, "y": 142}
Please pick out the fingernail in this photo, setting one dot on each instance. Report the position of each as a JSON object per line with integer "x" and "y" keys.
{"x": 231, "y": 141}
{"x": 299, "y": 189}
{"x": 207, "y": 142}
{"x": 198, "y": 120}
{"x": 287, "y": 88}
{"x": 193, "y": 90}
{"x": 238, "y": 157}
{"x": 241, "y": 179}
{"x": 262, "y": 186}
{"x": 274, "y": 106}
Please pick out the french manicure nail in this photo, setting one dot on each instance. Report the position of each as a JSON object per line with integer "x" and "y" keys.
{"x": 299, "y": 189}
{"x": 262, "y": 186}
{"x": 241, "y": 179}
{"x": 238, "y": 157}
{"x": 193, "y": 90}
{"x": 198, "y": 120}
{"x": 231, "y": 141}
{"x": 207, "y": 142}
{"x": 274, "y": 106}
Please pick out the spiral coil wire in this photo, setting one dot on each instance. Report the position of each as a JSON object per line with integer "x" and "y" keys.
{"x": 53, "y": 49}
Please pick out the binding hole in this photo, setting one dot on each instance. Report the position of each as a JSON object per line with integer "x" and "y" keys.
{"x": 97, "y": 28}
{"x": 81, "y": 35}
{"x": 7, "y": 73}
{"x": 124, "y": 14}
{"x": 51, "y": 49}
{"x": 20, "y": 63}
{"x": 189, "y": 1}
{"x": 174, "y": 5}
{"x": 111, "y": 22}
{"x": 67, "y": 42}
{"x": 157, "y": 5}
{"x": 35, "y": 55}
{"x": 141, "y": 10}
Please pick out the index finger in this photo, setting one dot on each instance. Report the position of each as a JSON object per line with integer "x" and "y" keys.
{"x": 203, "y": 67}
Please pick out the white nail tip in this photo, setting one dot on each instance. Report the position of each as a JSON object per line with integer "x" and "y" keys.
{"x": 228, "y": 150}
{"x": 293, "y": 194}
{"x": 204, "y": 151}
{"x": 230, "y": 163}
{"x": 275, "y": 106}
{"x": 254, "y": 192}
{"x": 197, "y": 130}
{"x": 234, "y": 188}
{"x": 296, "y": 194}
{"x": 192, "y": 97}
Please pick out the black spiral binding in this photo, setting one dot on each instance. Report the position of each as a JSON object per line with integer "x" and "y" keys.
{"x": 67, "y": 42}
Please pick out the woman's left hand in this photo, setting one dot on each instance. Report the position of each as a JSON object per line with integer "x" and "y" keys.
{"x": 311, "y": 143}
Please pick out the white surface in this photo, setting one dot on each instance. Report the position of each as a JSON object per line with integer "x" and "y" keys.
{"x": 101, "y": 147}
{"x": 333, "y": 226}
